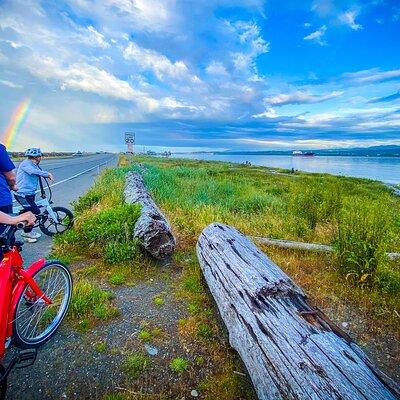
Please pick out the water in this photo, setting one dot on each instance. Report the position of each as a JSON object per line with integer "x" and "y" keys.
{"x": 385, "y": 169}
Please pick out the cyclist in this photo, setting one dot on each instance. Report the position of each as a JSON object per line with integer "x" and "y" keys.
{"x": 28, "y": 174}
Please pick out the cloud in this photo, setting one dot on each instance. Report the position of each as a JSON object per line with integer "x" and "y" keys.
{"x": 317, "y": 36}
{"x": 81, "y": 76}
{"x": 369, "y": 76}
{"x": 348, "y": 18}
{"x": 159, "y": 64}
{"x": 300, "y": 98}
{"x": 249, "y": 35}
{"x": 268, "y": 113}
{"x": 385, "y": 99}
{"x": 10, "y": 84}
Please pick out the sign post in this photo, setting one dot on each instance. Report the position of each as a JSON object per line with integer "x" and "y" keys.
{"x": 130, "y": 142}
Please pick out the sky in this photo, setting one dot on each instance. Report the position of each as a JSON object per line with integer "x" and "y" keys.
{"x": 201, "y": 75}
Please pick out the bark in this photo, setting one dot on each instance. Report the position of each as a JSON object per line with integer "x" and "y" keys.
{"x": 152, "y": 228}
{"x": 291, "y": 350}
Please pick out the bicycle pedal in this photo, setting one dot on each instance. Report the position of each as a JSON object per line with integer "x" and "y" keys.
{"x": 26, "y": 358}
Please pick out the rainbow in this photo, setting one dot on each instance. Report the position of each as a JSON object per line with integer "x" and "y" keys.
{"x": 16, "y": 121}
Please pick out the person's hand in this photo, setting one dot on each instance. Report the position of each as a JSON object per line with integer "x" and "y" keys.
{"x": 29, "y": 218}
{"x": 51, "y": 177}
{"x": 14, "y": 188}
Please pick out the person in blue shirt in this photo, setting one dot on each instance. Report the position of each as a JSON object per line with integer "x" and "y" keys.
{"x": 7, "y": 181}
{"x": 28, "y": 174}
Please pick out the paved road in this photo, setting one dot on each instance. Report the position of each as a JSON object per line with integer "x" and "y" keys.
{"x": 73, "y": 177}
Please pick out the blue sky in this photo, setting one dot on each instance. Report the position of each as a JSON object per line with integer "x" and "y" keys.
{"x": 189, "y": 75}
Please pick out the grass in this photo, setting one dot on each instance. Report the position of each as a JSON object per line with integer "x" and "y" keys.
{"x": 136, "y": 364}
{"x": 88, "y": 300}
{"x": 359, "y": 217}
{"x": 179, "y": 365}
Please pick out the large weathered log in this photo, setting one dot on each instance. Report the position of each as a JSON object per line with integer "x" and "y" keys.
{"x": 291, "y": 350}
{"x": 152, "y": 228}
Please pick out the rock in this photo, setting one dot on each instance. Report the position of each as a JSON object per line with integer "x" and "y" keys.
{"x": 151, "y": 350}
{"x": 194, "y": 393}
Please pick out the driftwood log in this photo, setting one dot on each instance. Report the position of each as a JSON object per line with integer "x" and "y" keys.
{"x": 290, "y": 244}
{"x": 152, "y": 228}
{"x": 291, "y": 350}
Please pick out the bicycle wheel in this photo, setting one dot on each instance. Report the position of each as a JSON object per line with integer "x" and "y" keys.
{"x": 65, "y": 221}
{"x": 34, "y": 321}
{"x": 3, "y": 384}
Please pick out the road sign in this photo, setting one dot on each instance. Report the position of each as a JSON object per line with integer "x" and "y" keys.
{"x": 130, "y": 141}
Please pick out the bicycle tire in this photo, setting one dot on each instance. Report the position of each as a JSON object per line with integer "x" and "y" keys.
{"x": 38, "y": 308}
{"x": 45, "y": 229}
{"x": 3, "y": 385}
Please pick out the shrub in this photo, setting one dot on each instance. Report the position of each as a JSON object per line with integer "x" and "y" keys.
{"x": 362, "y": 238}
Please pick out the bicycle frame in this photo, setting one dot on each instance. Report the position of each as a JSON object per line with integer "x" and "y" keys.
{"x": 13, "y": 280}
{"x": 40, "y": 203}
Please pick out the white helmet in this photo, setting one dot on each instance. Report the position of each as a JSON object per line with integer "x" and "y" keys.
{"x": 33, "y": 152}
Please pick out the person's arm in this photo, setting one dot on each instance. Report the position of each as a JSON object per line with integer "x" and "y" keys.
{"x": 11, "y": 179}
{"x": 27, "y": 217}
{"x": 34, "y": 170}
{"x": 7, "y": 167}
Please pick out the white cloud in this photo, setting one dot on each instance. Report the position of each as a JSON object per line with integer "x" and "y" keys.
{"x": 217, "y": 68}
{"x": 10, "y": 84}
{"x": 300, "y": 98}
{"x": 159, "y": 64}
{"x": 348, "y": 18}
{"x": 268, "y": 113}
{"x": 317, "y": 36}
{"x": 92, "y": 37}
{"x": 249, "y": 35}
{"x": 81, "y": 76}
{"x": 373, "y": 75}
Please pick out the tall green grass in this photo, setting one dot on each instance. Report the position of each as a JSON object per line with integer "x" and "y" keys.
{"x": 353, "y": 214}
{"x": 104, "y": 223}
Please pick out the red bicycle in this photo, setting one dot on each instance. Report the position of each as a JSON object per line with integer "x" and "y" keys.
{"x": 33, "y": 302}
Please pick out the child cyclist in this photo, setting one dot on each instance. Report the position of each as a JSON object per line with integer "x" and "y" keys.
{"x": 28, "y": 175}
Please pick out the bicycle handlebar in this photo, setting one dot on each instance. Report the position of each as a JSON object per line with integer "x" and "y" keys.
{"x": 21, "y": 225}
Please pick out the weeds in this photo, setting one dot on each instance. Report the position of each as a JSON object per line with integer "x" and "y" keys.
{"x": 179, "y": 365}
{"x": 135, "y": 364}
{"x": 362, "y": 239}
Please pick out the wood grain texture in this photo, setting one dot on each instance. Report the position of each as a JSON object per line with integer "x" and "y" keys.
{"x": 291, "y": 350}
{"x": 152, "y": 228}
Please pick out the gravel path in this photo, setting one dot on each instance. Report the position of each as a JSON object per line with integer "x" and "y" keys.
{"x": 69, "y": 367}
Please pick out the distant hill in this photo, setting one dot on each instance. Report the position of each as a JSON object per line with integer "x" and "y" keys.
{"x": 373, "y": 151}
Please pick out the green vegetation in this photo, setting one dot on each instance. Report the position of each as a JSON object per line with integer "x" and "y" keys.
{"x": 144, "y": 335}
{"x": 100, "y": 347}
{"x": 135, "y": 364}
{"x": 179, "y": 365}
{"x": 90, "y": 301}
{"x": 353, "y": 214}
{"x": 158, "y": 300}
{"x": 104, "y": 223}
{"x": 358, "y": 217}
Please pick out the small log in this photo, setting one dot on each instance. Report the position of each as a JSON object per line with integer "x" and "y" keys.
{"x": 291, "y": 350}
{"x": 152, "y": 228}
{"x": 290, "y": 244}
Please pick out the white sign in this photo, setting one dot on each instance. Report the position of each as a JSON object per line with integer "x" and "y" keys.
{"x": 129, "y": 138}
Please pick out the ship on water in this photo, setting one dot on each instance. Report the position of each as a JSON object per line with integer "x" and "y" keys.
{"x": 299, "y": 153}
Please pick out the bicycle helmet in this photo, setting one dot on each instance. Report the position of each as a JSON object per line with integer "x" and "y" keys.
{"x": 33, "y": 152}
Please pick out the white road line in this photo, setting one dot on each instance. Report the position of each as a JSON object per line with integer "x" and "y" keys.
{"x": 76, "y": 175}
